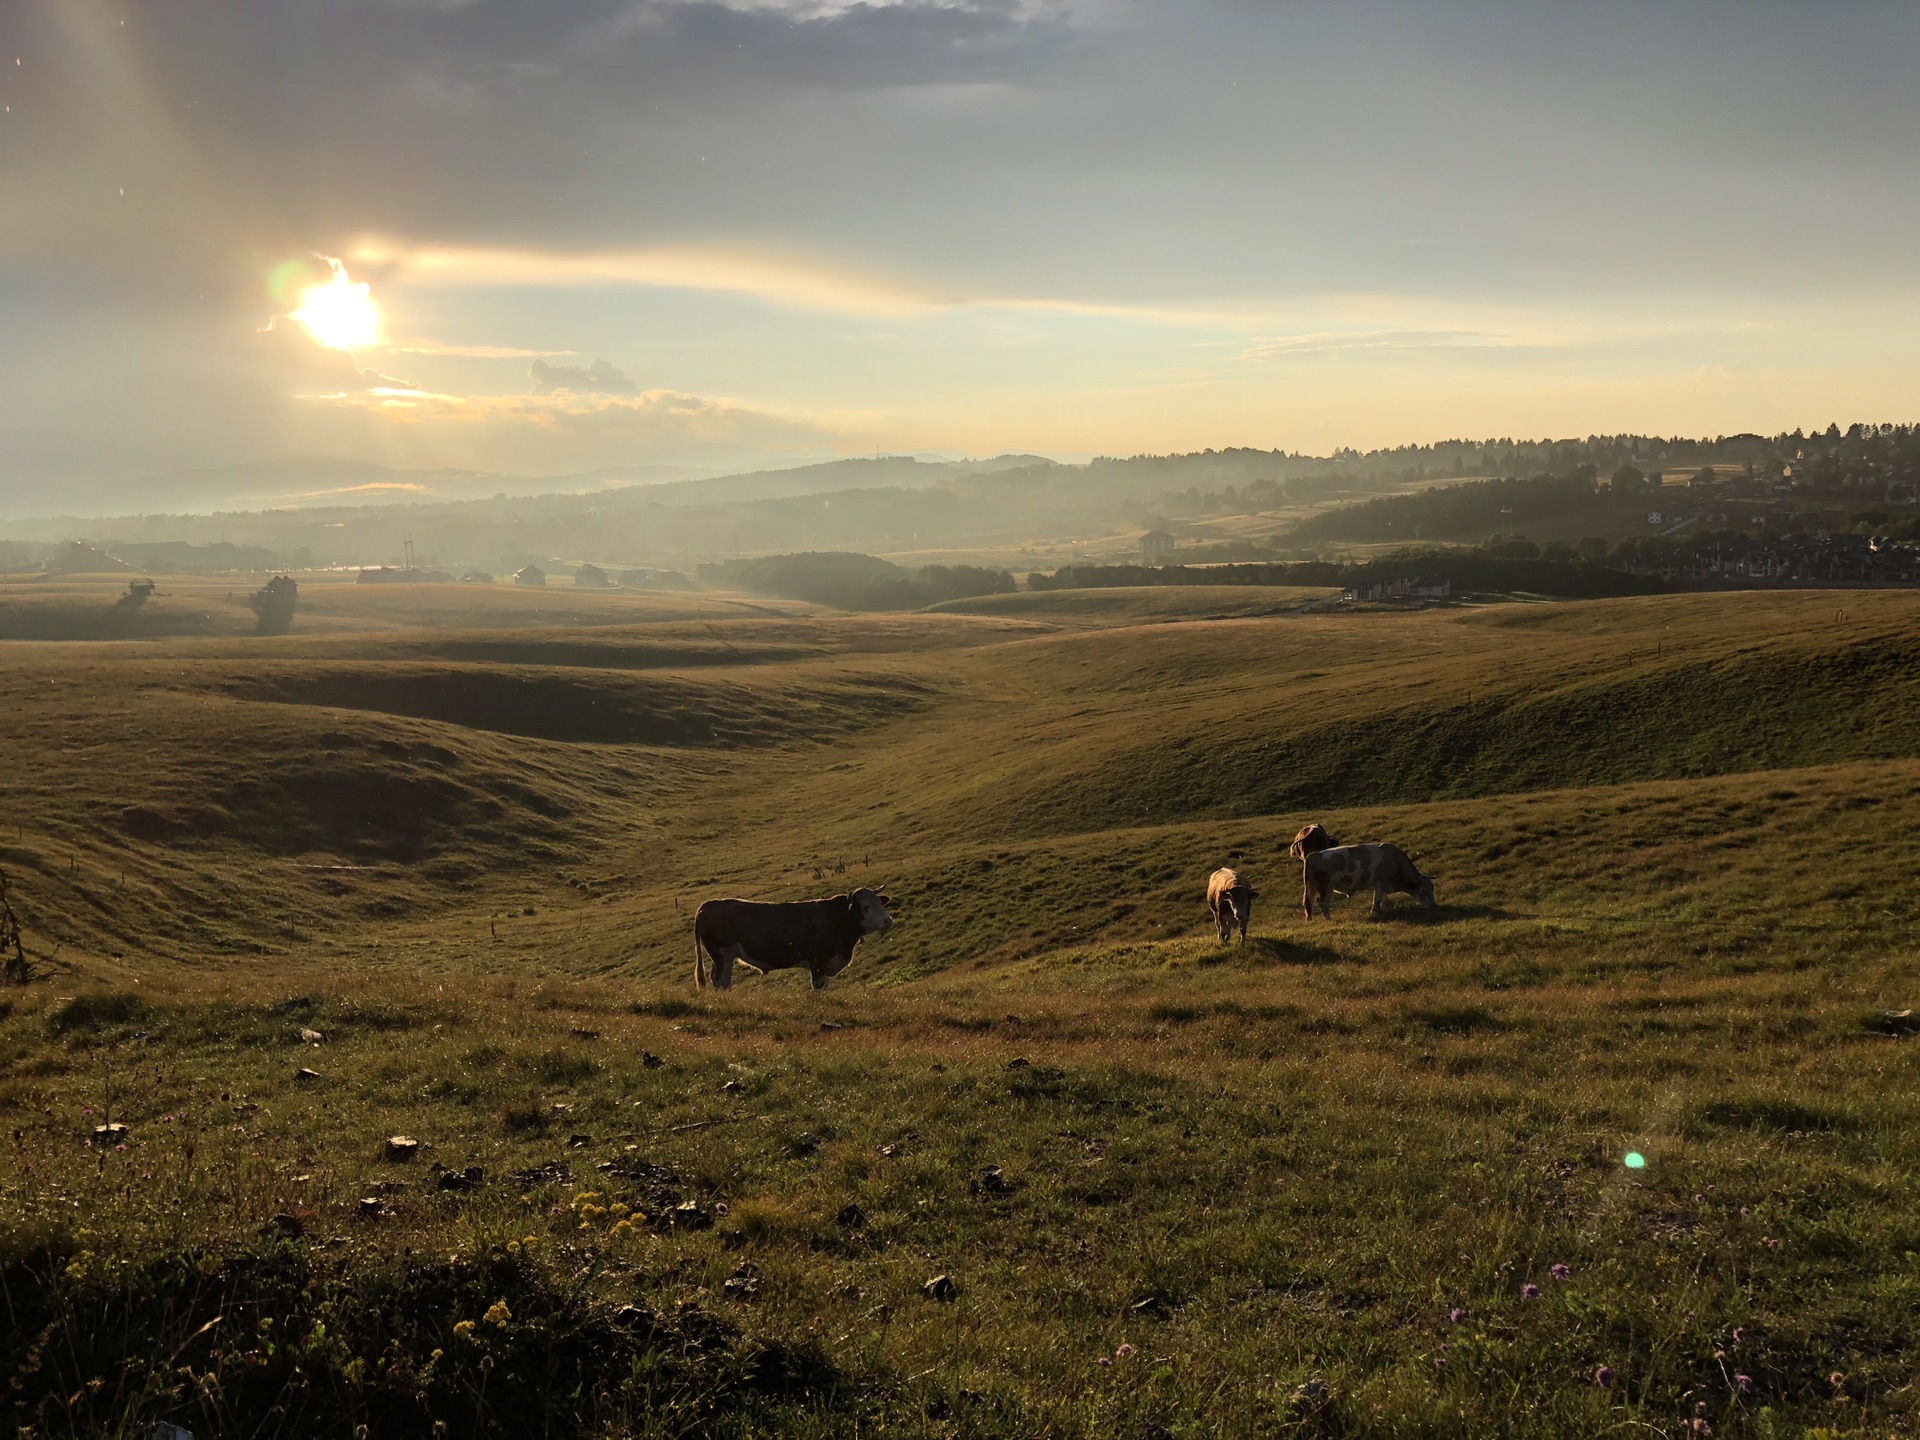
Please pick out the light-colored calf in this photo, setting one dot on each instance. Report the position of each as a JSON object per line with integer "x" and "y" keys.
{"x": 1231, "y": 900}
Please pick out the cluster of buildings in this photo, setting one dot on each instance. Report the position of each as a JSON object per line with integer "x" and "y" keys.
{"x": 1411, "y": 587}
{"x": 1785, "y": 560}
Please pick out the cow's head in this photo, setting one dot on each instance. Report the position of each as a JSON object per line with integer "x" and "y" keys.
{"x": 1310, "y": 841}
{"x": 870, "y": 910}
{"x": 1423, "y": 892}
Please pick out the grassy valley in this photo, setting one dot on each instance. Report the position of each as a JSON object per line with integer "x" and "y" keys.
{"x": 1046, "y": 1159}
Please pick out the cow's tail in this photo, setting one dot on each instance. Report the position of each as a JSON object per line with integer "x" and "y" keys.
{"x": 699, "y": 967}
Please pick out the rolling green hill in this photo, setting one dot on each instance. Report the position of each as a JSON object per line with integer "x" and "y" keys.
{"x": 1172, "y": 1188}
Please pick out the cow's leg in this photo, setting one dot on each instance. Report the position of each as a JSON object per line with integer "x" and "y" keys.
{"x": 1222, "y": 923}
{"x": 1245, "y": 912}
{"x": 826, "y": 969}
{"x": 723, "y": 959}
{"x": 1379, "y": 899}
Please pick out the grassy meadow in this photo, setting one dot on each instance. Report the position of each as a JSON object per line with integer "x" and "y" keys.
{"x": 1046, "y": 1160}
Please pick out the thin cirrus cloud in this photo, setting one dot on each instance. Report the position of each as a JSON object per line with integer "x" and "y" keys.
{"x": 1335, "y": 342}
{"x": 771, "y": 278}
{"x": 777, "y": 280}
{"x": 475, "y": 352}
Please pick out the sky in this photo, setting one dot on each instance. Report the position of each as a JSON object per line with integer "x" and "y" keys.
{"x": 545, "y": 237}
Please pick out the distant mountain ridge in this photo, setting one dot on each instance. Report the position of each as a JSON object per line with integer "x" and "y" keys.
{"x": 316, "y": 482}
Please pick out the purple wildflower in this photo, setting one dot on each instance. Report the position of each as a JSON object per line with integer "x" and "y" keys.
{"x": 1739, "y": 1334}
{"x": 1125, "y": 1350}
{"x": 1530, "y": 1292}
{"x": 1439, "y": 1362}
{"x": 1603, "y": 1377}
{"x": 1104, "y": 1360}
{"x": 1561, "y": 1272}
{"x": 720, "y": 1207}
{"x": 1455, "y": 1316}
{"x": 1745, "y": 1382}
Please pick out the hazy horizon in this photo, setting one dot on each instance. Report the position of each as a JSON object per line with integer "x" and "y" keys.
{"x": 719, "y": 236}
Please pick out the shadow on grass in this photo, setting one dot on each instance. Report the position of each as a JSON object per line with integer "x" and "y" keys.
{"x": 1445, "y": 914}
{"x": 1288, "y": 952}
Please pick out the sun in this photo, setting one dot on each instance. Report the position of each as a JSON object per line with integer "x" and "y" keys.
{"x": 340, "y": 313}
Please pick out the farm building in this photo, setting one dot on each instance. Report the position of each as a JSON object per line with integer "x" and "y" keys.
{"x": 591, "y": 577}
{"x": 1156, "y": 545}
{"x": 476, "y": 577}
{"x": 530, "y": 575}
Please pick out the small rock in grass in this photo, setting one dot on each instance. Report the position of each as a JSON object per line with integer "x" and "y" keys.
{"x": 806, "y": 1144}
{"x": 310, "y": 1037}
{"x": 650, "y": 1061}
{"x": 287, "y": 1225}
{"x": 1310, "y": 1392}
{"x": 889, "y": 1151}
{"x": 688, "y": 1215}
{"x": 110, "y": 1134}
{"x": 992, "y": 1181}
{"x": 732, "y": 1087}
{"x": 743, "y": 1284}
{"x": 831, "y": 1025}
{"x": 305, "y": 1076}
{"x": 467, "y": 1179}
{"x": 1019, "y": 1062}
{"x": 402, "y": 1147}
{"x": 579, "y": 1142}
{"x": 1149, "y": 1305}
{"x": 370, "y": 1208}
{"x": 580, "y": 1032}
{"x": 940, "y": 1287}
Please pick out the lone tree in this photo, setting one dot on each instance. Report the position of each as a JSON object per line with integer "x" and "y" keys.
{"x": 273, "y": 606}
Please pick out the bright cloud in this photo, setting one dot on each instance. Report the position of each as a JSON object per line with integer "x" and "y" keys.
{"x": 775, "y": 279}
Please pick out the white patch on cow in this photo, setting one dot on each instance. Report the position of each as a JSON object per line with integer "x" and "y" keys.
{"x": 874, "y": 919}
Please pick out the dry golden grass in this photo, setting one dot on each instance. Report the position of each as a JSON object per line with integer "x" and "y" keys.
{"x": 1236, "y": 1191}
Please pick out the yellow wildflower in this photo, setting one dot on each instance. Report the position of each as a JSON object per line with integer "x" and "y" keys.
{"x": 498, "y": 1314}
{"x": 464, "y": 1329}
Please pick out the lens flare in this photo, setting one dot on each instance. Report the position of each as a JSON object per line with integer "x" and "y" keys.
{"x": 1635, "y": 1160}
{"x": 340, "y": 313}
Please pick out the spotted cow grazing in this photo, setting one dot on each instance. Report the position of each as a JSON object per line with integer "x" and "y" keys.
{"x": 1231, "y": 900}
{"x": 814, "y": 935}
{"x": 1351, "y": 869}
{"x": 1311, "y": 840}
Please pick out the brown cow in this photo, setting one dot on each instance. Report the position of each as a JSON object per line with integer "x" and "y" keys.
{"x": 1231, "y": 900}
{"x": 1309, "y": 841}
{"x": 1350, "y": 869}
{"x": 817, "y": 935}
